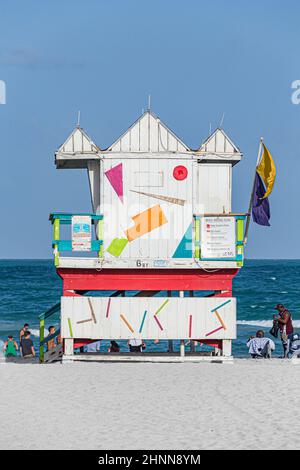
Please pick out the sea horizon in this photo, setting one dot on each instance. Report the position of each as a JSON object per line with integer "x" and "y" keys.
{"x": 31, "y": 286}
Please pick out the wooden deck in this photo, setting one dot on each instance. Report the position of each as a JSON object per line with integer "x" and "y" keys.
{"x": 147, "y": 357}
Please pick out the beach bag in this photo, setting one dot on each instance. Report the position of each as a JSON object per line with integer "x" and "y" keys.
{"x": 274, "y": 330}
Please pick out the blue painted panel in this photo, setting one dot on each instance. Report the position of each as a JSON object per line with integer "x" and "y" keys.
{"x": 185, "y": 247}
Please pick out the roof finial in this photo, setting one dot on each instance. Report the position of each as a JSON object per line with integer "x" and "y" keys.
{"x": 149, "y": 102}
{"x": 78, "y": 119}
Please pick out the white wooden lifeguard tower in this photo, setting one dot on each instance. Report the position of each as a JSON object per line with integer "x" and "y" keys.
{"x": 163, "y": 223}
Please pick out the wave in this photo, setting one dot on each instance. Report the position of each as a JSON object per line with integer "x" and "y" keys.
{"x": 1, "y": 348}
{"x": 264, "y": 323}
{"x": 35, "y": 332}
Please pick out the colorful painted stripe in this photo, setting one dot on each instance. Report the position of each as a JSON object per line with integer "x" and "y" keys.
{"x": 108, "y": 307}
{"x": 92, "y": 310}
{"x": 162, "y": 306}
{"x": 158, "y": 322}
{"x": 84, "y": 321}
{"x": 214, "y": 331}
{"x": 220, "y": 306}
{"x": 127, "y": 323}
{"x": 143, "y": 321}
{"x": 220, "y": 319}
{"x": 190, "y": 325}
{"x": 70, "y": 327}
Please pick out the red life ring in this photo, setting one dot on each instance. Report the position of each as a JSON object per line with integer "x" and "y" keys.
{"x": 180, "y": 172}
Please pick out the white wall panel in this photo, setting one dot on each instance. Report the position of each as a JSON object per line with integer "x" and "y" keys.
{"x": 180, "y": 318}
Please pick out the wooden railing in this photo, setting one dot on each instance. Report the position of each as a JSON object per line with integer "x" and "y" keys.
{"x": 65, "y": 218}
{"x": 51, "y": 311}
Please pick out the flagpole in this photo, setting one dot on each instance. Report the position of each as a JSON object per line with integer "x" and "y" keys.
{"x": 252, "y": 193}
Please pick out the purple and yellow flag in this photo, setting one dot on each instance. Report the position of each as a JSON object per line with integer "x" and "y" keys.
{"x": 263, "y": 186}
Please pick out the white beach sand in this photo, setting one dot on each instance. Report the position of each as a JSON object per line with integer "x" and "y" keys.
{"x": 245, "y": 405}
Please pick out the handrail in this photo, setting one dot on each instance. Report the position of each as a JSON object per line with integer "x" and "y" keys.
{"x": 51, "y": 311}
{"x": 65, "y": 218}
{"x": 55, "y": 308}
{"x": 50, "y": 337}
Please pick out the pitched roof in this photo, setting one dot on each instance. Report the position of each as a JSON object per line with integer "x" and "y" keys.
{"x": 78, "y": 142}
{"x": 148, "y": 134}
{"x": 219, "y": 143}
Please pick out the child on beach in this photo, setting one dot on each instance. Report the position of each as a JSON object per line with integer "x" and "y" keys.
{"x": 10, "y": 347}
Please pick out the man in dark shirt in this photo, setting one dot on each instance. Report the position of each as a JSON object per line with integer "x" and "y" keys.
{"x": 285, "y": 323}
{"x": 27, "y": 345}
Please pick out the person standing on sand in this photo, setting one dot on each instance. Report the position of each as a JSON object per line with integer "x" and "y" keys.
{"x": 285, "y": 323}
{"x": 10, "y": 347}
{"x": 27, "y": 346}
{"x": 22, "y": 332}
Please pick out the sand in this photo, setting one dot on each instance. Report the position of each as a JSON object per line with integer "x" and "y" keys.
{"x": 245, "y": 405}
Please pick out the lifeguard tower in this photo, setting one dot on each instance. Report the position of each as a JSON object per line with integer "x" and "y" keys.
{"x": 161, "y": 242}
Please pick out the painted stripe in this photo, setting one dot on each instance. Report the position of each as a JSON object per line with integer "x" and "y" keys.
{"x": 190, "y": 326}
{"x": 220, "y": 319}
{"x": 220, "y": 306}
{"x": 92, "y": 311}
{"x": 162, "y": 306}
{"x": 108, "y": 307}
{"x": 143, "y": 321}
{"x": 70, "y": 327}
{"x": 214, "y": 331}
{"x": 173, "y": 200}
{"x": 158, "y": 322}
{"x": 84, "y": 321}
{"x": 127, "y": 323}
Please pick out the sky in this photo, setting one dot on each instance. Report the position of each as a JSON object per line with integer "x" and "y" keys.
{"x": 198, "y": 59}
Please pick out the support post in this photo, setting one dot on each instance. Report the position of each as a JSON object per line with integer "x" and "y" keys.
{"x": 56, "y": 236}
{"x": 182, "y": 347}
{"x": 197, "y": 238}
{"x": 100, "y": 236}
{"x": 42, "y": 337}
{"x": 226, "y": 347}
{"x": 69, "y": 346}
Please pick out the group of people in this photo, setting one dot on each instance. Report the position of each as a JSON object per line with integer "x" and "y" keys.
{"x": 259, "y": 346}
{"x": 262, "y": 347}
{"x": 134, "y": 345}
{"x": 26, "y": 347}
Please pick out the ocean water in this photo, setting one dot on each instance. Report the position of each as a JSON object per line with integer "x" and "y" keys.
{"x": 29, "y": 287}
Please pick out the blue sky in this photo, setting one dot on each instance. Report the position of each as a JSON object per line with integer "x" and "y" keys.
{"x": 198, "y": 59}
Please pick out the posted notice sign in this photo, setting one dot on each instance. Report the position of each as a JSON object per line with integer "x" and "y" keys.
{"x": 81, "y": 233}
{"x": 218, "y": 237}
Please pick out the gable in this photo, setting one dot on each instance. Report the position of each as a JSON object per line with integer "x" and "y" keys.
{"x": 78, "y": 142}
{"x": 219, "y": 143}
{"x": 148, "y": 134}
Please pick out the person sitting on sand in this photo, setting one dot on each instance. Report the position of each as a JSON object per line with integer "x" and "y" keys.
{"x": 259, "y": 346}
{"x": 22, "y": 332}
{"x": 51, "y": 343}
{"x": 10, "y": 347}
{"x": 93, "y": 347}
{"x": 114, "y": 347}
{"x": 294, "y": 349}
{"x": 136, "y": 345}
{"x": 27, "y": 346}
